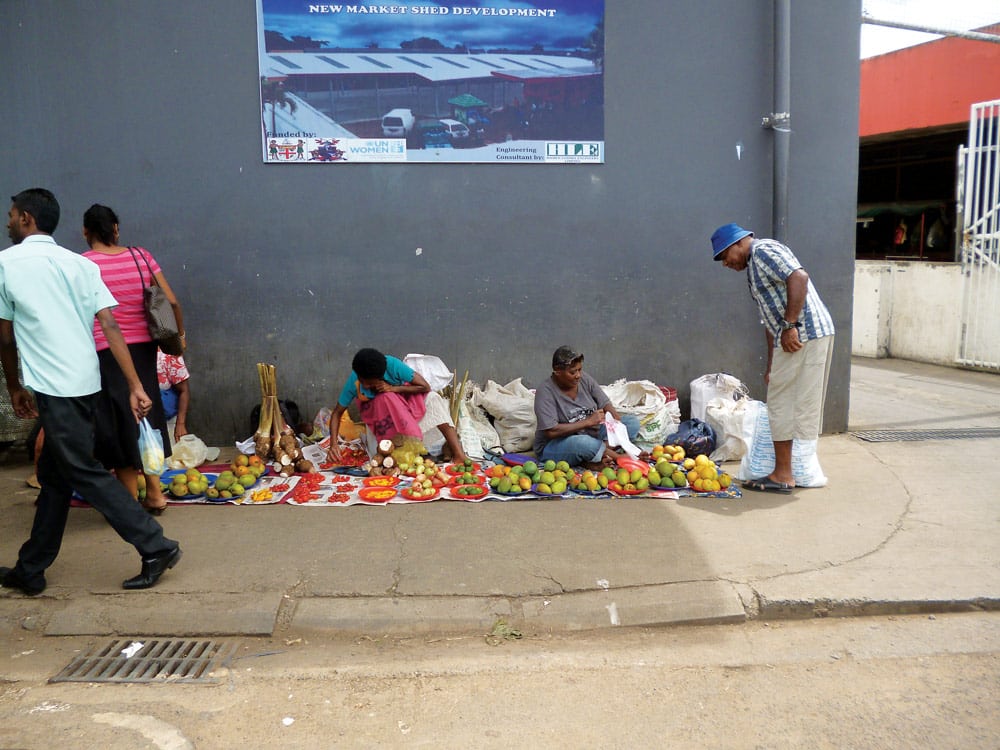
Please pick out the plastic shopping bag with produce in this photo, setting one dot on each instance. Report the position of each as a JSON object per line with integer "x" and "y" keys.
{"x": 151, "y": 449}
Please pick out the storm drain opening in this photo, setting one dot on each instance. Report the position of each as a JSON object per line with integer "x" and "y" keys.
{"x": 892, "y": 436}
{"x": 149, "y": 661}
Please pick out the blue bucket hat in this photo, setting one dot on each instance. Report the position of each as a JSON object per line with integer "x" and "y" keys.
{"x": 725, "y": 236}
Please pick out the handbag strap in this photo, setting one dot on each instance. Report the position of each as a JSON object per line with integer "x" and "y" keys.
{"x": 152, "y": 277}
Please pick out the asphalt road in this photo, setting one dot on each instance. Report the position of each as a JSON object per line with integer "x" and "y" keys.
{"x": 927, "y": 681}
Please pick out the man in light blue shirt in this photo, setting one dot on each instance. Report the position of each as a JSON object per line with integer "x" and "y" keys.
{"x": 799, "y": 331}
{"x": 49, "y": 297}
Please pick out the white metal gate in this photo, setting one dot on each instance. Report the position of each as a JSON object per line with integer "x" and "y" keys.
{"x": 979, "y": 344}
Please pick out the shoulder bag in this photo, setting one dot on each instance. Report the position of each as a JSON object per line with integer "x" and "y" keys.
{"x": 163, "y": 327}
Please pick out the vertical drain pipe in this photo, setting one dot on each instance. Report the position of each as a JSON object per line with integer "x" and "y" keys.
{"x": 780, "y": 119}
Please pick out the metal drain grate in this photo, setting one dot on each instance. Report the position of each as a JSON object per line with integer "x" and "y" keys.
{"x": 892, "y": 436}
{"x": 177, "y": 661}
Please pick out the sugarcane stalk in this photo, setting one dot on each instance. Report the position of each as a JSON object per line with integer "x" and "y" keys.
{"x": 456, "y": 398}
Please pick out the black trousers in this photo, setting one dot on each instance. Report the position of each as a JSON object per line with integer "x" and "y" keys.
{"x": 67, "y": 462}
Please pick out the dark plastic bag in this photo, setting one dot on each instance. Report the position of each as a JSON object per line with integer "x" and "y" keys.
{"x": 695, "y": 437}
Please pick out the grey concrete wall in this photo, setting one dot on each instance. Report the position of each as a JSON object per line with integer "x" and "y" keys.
{"x": 153, "y": 108}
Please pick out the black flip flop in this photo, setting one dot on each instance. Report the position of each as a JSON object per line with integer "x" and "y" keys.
{"x": 766, "y": 484}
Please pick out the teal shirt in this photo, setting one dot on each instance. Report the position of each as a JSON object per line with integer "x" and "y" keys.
{"x": 397, "y": 372}
{"x": 52, "y": 295}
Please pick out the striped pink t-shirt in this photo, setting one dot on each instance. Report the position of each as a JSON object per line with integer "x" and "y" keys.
{"x": 124, "y": 282}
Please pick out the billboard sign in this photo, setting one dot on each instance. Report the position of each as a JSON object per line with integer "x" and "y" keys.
{"x": 509, "y": 82}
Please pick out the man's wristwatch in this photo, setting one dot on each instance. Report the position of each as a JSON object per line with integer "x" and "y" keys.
{"x": 786, "y": 326}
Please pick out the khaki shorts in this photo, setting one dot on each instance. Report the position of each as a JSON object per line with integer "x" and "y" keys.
{"x": 797, "y": 390}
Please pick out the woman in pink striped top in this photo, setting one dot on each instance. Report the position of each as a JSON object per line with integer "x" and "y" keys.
{"x": 126, "y": 271}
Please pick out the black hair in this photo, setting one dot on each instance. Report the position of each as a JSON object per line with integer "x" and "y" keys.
{"x": 100, "y": 222}
{"x": 41, "y": 205}
{"x": 369, "y": 364}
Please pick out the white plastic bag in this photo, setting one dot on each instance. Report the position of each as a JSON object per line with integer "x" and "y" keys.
{"x": 475, "y": 432}
{"x": 150, "y": 449}
{"x": 432, "y": 369}
{"x": 321, "y": 422}
{"x": 512, "y": 407}
{"x": 726, "y": 418}
{"x": 618, "y": 436}
{"x": 716, "y": 385}
{"x": 759, "y": 458}
{"x": 191, "y": 452}
{"x": 644, "y": 399}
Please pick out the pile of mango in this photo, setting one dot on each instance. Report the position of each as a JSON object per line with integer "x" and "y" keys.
{"x": 513, "y": 480}
{"x": 628, "y": 480}
{"x": 588, "y": 481}
{"x": 191, "y": 482}
{"x": 667, "y": 475}
{"x": 703, "y": 475}
{"x": 551, "y": 478}
{"x": 242, "y": 474}
{"x": 673, "y": 453}
{"x": 554, "y": 478}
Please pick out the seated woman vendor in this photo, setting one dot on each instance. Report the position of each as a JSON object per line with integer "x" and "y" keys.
{"x": 393, "y": 400}
{"x": 570, "y": 408}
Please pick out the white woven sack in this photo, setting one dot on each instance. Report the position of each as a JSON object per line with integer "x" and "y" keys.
{"x": 432, "y": 369}
{"x": 715, "y": 385}
{"x": 759, "y": 459}
{"x": 512, "y": 407}
{"x": 644, "y": 399}
{"x": 475, "y": 432}
{"x": 726, "y": 418}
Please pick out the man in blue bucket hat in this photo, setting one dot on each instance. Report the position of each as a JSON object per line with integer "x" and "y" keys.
{"x": 799, "y": 333}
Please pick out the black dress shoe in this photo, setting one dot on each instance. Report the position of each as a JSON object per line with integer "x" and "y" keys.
{"x": 11, "y": 580}
{"x": 152, "y": 569}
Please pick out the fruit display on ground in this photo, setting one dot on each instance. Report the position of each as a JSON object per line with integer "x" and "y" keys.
{"x": 624, "y": 481}
{"x": 467, "y": 478}
{"x": 467, "y": 467}
{"x": 703, "y": 475}
{"x": 418, "y": 477}
{"x": 186, "y": 484}
{"x": 673, "y": 453}
{"x": 551, "y": 478}
{"x": 242, "y": 474}
{"x": 467, "y": 491}
{"x": 418, "y": 489}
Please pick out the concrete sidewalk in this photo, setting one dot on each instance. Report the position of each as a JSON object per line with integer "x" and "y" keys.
{"x": 901, "y": 527}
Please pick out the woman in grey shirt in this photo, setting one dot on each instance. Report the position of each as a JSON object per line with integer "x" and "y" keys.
{"x": 570, "y": 408}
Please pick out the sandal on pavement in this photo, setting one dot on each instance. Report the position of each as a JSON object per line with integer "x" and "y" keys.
{"x": 155, "y": 510}
{"x": 766, "y": 484}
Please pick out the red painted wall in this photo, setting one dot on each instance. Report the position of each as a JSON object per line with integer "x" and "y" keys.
{"x": 929, "y": 85}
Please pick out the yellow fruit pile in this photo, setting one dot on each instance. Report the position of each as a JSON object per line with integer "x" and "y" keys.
{"x": 673, "y": 453}
{"x": 704, "y": 475}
